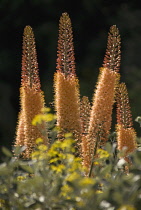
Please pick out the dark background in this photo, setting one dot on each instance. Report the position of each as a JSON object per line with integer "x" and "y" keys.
{"x": 91, "y": 20}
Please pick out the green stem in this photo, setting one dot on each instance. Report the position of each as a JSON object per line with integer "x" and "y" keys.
{"x": 95, "y": 150}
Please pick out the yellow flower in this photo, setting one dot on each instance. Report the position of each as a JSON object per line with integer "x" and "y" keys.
{"x": 73, "y": 176}
{"x": 42, "y": 148}
{"x": 35, "y": 155}
{"x": 49, "y": 117}
{"x": 102, "y": 153}
{"x": 39, "y": 141}
{"x": 58, "y": 169}
{"x": 21, "y": 178}
{"x": 43, "y": 117}
{"x": 45, "y": 109}
{"x": 67, "y": 143}
{"x": 96, "y": 163}
{"x": 99, "y": 191}
{"x": 68, "y": 135}
{"x": 66, "y": 190}
{"x": 86, "y": 181}
{"x": 37, "y": 119}
{"x": 53, "y": 160}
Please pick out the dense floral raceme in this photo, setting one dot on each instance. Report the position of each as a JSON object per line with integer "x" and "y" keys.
{"x": 32, "y": 103}
{"x": 66, "y": 85}
{"x": 113, "y": 53}
{"x": 31, "y": 96}
{"x": 126, "y": 138}
{"x": 101, "y": 113}
{"x": 65, "y": 49}
{"x": 30, "y": 72}
{"x": 103, "y": 100}
{"x": 126, "y": 135}
{"x": 124, "y": 116}
{"x": 67, "y": 103}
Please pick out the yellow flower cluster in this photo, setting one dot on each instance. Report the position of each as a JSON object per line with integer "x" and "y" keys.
{"x": 59, "y": 155}
{"x": 22, "y": 178}
{"x": 41, "y": 151}
{"x": 102, "y": 153}
{"x": 39, "y": 118}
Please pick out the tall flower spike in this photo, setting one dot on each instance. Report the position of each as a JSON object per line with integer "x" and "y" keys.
{"x": 65, "y": 53}
{"x": 101, "y": 112}
{"x": 30, "y": 72}
{"x": 31, "y": 96}
{"x": 113, "y": 54}
{"x": 103, "y": 100}
{"x": 66, "y": 87}
{"x": 124, "y": 116}
{"x": 126, "y": 135}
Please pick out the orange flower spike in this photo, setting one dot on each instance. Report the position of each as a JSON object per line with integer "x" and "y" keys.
{"x": 32, "y": 102}
{"x": 65, "y": 53}
{"x": 67, "y": 102}
{"x": 30, "y": 72}
{"x": 126, "y": 135}
{"x": 101, "y": 113}
{"x": 66, "y": 87}
{"x": 126, "y": 138}
{"x": 31, "y": 96}
{"x": 113, "y": 54}
{"x": 103, "y": 100}
{"x": 124, "y": 116}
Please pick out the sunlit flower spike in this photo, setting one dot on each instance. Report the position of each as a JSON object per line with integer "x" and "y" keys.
{"x": 66, "y": 85}
{"x": 103, "y": 99}
{"x": 126, "y": 135}
{"x": 31, "y": 96}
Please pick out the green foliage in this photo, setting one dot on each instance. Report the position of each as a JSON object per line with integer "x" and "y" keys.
{"x": 55, "y": 179}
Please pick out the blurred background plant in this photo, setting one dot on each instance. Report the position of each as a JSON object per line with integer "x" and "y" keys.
{"x": 55, "y": 179}
{"x": 91, "y": 21}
